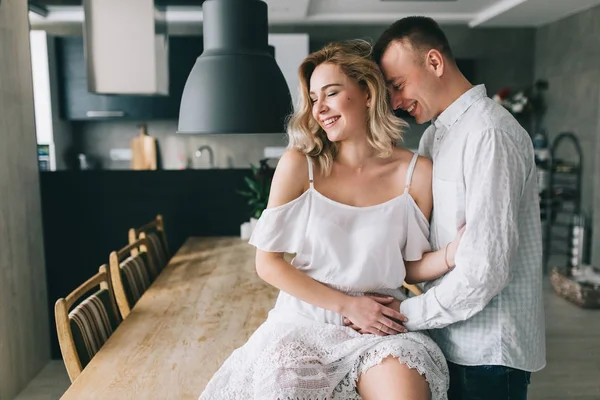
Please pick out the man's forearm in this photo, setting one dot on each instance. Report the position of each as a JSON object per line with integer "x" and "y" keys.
{"x": 457, "y": 298}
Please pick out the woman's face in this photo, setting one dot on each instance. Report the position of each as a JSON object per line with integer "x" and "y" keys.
{"x": 339, "y": 104}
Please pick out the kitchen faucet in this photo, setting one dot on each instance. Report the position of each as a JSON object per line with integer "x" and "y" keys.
{"x": 211, "y": 156}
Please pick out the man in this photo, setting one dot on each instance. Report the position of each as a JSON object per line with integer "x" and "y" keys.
{"x": 487, "y": 313}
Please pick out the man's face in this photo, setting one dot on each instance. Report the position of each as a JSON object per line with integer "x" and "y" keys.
{"x": 411, "y": 83}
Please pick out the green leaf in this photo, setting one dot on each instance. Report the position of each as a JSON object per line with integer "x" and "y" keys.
{"x": 244, "y": 193}
{"x": 253, "y": 185}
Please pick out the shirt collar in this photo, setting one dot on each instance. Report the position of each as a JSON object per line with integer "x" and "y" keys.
{"x": 451, "y": 114}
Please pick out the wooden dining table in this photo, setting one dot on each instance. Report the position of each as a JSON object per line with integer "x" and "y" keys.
{"x": 205, "y": 303}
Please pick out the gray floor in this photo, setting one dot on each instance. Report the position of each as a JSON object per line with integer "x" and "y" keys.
{"x": 572, "y": 372}
{"x": 572, "y": 353}
{"x": 49, "y": 384}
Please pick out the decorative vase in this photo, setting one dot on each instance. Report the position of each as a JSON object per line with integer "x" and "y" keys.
{"x": 245, "y": 231}
{"x": 253, "y": 222}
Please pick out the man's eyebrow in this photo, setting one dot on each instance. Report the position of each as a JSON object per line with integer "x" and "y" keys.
{"x": 392, "y": 80}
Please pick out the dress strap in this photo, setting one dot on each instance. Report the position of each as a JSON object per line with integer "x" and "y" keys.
{"x": 409, "y": 173}
{"x": 310, "y": 172}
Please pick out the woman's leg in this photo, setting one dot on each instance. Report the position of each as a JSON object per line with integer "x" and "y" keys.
{"x": 392, "y": 380}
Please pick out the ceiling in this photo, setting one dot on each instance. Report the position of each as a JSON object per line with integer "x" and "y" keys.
{"x": 474, "y": 13}
{"x": 79, "y": 2}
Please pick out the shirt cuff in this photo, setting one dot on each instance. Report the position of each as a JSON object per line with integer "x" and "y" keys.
{"x": 418, "y": 311}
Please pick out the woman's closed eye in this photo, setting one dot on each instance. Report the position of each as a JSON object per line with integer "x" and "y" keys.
{"x": 329, "y": 94}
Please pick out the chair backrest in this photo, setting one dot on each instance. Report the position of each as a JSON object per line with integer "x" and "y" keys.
{"x": 131, "y": 273}
{"x": 154, "y": 231}
{"x": 414, "y": 289}
{"x": 84, "y": 330}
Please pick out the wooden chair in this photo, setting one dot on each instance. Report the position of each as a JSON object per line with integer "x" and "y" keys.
{"x": 132, "y": 272}
{"x": 414, "y": 289}
{"x": 154, "y": 231}
{"x": 85, "y": 329}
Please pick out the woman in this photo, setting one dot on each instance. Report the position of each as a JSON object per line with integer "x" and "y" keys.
{"x": 354, "y": 209}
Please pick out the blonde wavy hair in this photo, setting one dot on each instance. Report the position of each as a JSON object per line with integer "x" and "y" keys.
{"x": 384, "y": 129}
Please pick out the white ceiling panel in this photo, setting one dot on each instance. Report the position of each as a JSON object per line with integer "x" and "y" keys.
{"x": 474, "y": 13}
{"x": 534, "y": 13}
{"x": 288, "y": 9}
{"x": 401, "y": 7}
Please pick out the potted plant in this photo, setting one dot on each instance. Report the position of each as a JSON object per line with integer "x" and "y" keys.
{"x": 258, "y": 187}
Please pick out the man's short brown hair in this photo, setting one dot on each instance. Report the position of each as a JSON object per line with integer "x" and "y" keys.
{"x": 422, "y": 33}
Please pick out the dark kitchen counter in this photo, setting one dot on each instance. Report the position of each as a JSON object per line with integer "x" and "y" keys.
{"x": 86, "y": 215}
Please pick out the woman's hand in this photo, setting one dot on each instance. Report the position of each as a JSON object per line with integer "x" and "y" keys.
{"x": 453, "y": 247}
{"x": 373, "y": 316}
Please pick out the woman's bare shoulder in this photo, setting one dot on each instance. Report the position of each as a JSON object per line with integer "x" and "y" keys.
{"x": 423, "y": 170}
{"x": 290, "y": 179}
{"x": 402, "y": 155}
{"x": 420, "y": 184}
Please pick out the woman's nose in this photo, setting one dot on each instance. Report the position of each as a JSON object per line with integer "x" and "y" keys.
{"x": 321, "y": 106}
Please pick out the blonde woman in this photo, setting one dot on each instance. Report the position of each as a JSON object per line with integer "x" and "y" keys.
{"x": 354, "y": 209}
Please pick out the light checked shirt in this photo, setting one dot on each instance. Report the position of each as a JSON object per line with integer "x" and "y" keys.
{"x": 488, "y": 310}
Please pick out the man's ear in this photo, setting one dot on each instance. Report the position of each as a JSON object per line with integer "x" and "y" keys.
{"x": 435, "y": 62}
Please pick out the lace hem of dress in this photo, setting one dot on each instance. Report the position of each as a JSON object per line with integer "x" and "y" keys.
{"x": 348, "y": 386}
{"x": 411, "y": 360}
{"x": 283, "y": 361}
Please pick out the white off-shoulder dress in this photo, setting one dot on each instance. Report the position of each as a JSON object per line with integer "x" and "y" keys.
{"x": 305, "y": 352}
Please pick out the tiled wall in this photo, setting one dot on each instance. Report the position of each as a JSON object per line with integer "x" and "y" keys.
{"x": 504, "y": 57}
{"x": 178, "y": 151}
{"x": 567, "y": 54}
{"x": 24, "y": 338}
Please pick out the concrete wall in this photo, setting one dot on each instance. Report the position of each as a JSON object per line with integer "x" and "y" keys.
{"x": 24, "y": 337}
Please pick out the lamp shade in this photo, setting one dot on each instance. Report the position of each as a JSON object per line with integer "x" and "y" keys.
{"x": 235, "y": 86}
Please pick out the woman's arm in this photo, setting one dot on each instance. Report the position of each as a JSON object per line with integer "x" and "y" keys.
{"x": 289, "y": 182}
{"x": 433, "y": 264}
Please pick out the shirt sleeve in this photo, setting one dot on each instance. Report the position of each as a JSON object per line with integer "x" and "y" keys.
{"x": 425, "y": 142}
{"x": 496, "y": 168}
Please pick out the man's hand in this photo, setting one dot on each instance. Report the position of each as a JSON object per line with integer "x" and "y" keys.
{"x": 391, "y": 303}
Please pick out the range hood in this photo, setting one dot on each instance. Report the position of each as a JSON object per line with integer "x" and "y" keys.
{"x": 235, "y": 85}
{"x": 126, "y": 47}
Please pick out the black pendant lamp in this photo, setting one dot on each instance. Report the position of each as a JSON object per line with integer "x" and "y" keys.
{"x": 235, "y": 85}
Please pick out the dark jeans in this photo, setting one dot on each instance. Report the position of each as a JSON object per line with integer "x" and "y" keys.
{"x": 487, "y": 382}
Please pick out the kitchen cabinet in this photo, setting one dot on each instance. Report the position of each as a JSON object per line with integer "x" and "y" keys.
{"x": 77, "y": 103}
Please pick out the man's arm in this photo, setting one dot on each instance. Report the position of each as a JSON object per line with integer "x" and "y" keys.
{"x": 495, "y": 172}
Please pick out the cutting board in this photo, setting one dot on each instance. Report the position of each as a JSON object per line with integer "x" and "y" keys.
{"x": 143, "y": 151}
